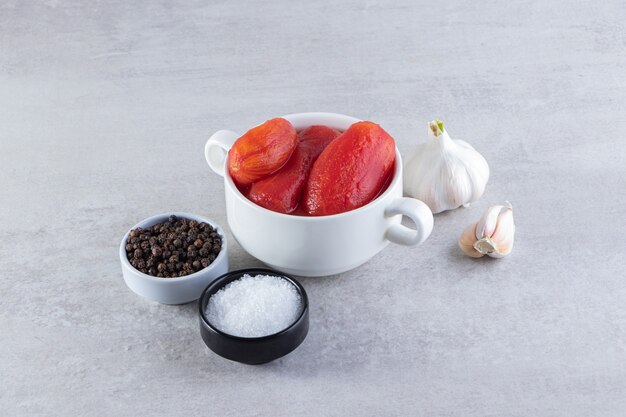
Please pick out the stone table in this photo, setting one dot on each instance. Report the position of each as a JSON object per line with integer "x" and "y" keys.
{"x": 105, "y": 107}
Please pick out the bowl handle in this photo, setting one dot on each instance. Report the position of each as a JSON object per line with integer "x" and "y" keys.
{"x": 416, "y": 211}
{"x": 216, "y": 149}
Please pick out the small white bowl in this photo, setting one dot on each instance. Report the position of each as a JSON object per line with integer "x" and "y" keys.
{"x": 178, "y": 290}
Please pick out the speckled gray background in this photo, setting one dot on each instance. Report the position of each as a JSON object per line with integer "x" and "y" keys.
{"x": 105, "y": 107}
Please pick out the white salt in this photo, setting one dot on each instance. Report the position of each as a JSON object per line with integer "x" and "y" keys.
{"x": 254, "y": 306}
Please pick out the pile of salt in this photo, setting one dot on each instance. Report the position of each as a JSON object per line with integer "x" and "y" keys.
{"x": 254, "y": 306}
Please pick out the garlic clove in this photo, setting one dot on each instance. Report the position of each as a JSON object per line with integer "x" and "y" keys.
{"x": 504, "y": 234}
{"x": 467, "y": 241}
{"x": 487, "y": 224}
{"x": 492, "y": 235}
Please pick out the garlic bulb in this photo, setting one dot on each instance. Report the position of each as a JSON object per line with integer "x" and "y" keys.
{"x": 445, "y": 173}
{"x": 493, "y": 235}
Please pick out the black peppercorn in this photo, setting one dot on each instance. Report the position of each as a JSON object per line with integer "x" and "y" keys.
{"x": 173, "y": 248}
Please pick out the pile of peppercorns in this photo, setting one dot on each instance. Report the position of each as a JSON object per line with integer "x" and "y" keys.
{"x": 173, "y": 248}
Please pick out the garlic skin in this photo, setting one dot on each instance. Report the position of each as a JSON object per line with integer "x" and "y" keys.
{"x": 445, "y": 173}
{"x": 492, "y": 235}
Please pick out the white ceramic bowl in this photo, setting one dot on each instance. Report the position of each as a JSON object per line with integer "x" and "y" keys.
{"x": 323, "y": 245}
{"x": 173, "y": 290}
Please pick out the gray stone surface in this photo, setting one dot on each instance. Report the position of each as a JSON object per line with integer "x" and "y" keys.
{"x": 104, "y": 110}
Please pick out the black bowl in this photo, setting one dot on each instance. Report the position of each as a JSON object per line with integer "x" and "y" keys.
{"x": 253, "y": 350}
